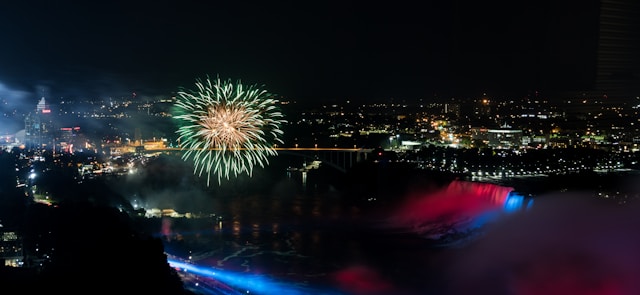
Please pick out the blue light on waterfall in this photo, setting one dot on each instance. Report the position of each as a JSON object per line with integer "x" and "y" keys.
{"x": 514, "y": 202}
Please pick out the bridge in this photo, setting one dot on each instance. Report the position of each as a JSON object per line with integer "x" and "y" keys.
{"x": 339, "y": 158}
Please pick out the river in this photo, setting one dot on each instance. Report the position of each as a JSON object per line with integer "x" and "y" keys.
{"x": 320, "y": 236}
{"x": 286, "y": 237}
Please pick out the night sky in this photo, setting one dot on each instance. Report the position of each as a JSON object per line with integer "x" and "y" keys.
{"x": 302, "y": 50}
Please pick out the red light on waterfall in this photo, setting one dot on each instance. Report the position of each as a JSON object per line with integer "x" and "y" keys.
{"x": 455, "y": 206}
{"x": 362, "y": 280}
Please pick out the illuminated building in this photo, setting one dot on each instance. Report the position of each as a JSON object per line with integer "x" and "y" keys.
{"x": 504, "y": 138}
{"x": 618, "y": 63}
{"x": 483, "y": 107}
{"x": 7, "y": 141}
{"x": 452, "y": 109}
{"x": 68, "y": 139}
{"x": 38, "y": 127}
{"x": 155, "y": 144}
{"x": 11, "y": 253}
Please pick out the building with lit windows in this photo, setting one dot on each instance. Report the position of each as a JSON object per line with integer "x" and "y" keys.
{"x": 38, "y": 127}
{"x": 504, "y": 138}
{"x": 11, "y": 253}
{"x": 69, "y": 139}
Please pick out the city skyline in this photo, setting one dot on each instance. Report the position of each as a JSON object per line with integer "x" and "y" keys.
{"x": 329, "y": 51}
{"x": 399, "y": 148}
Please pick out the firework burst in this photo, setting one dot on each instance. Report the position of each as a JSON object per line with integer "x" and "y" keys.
{"x": 227, "y": 128}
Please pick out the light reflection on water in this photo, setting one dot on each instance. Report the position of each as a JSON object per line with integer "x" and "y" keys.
{"x": 320, "y": 238}
{"x": 293, "y": 239}
{"x": 311, "y": 239}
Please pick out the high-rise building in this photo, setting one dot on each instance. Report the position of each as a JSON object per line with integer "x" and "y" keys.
{"x": 38, "y": 127}
{"x": 563, "y": 48}
{"x": 618, "y": 61}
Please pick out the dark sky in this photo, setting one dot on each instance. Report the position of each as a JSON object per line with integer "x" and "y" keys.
{"x": 303, "y": 50}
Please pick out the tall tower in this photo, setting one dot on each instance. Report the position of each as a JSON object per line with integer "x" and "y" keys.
{"x": 38, "y": 127}
{"x": 618, "y": 61}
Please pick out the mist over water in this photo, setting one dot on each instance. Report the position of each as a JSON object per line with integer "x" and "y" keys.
{"x": 321, "y": 237}
{"x": 566, "y": 244}
{"x": 309, "y": 235}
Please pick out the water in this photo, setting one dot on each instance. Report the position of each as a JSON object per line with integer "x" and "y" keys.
{"x": 306, "y": 241}
{"x": 319, "y": 238}
{"x": 277, "y": 236}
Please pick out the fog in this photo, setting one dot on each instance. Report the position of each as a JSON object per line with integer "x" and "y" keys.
{"x": 13, "y": 104}
{"x": 567, "y": 243}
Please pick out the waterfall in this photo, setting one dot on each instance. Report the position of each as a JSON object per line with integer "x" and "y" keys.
{"x": 457, "y": 209}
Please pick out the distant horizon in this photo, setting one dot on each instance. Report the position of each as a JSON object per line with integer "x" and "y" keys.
{"x": 329, "y": 51}
{"x": 12, "y": 94}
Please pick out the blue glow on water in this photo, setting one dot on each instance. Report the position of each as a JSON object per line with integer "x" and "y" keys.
{"x": 485, "y": 218}
{"x": 253, "y": 284}
{"x": 529, "y": 204}
{"x": 514, "y": 202}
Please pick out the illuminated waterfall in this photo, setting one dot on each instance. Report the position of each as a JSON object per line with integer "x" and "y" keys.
{"x": 456, "y": 209}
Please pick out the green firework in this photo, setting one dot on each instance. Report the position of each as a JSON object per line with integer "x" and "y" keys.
{"x": 227, "y": 128}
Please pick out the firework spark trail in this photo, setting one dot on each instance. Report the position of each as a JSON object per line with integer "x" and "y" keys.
{"x": 227, "y": 128}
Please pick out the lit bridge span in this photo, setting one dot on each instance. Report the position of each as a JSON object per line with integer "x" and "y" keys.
{"x": 339, "y": 158}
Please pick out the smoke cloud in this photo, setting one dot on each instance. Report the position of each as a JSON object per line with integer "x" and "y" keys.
{"x": 13, "y": 103}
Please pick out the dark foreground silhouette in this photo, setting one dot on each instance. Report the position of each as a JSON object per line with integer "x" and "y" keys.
{"x": 82, "y": 248}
